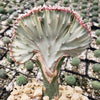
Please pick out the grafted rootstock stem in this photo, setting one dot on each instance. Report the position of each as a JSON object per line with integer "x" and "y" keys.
{"x": 52, "y": 88}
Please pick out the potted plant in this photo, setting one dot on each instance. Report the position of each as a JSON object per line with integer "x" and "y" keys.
{"x": 50, "y": 33}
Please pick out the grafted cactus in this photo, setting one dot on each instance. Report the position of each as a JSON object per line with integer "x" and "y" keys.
{"x": 50, "y": 33}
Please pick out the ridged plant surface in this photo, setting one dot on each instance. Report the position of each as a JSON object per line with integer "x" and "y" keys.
{"x": 51, "y": 32}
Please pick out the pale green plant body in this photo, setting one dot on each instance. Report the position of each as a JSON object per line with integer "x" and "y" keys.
{"x": 51, "y": 34}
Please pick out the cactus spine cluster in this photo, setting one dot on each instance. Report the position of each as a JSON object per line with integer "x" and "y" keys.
{"x": 51, "y": 33}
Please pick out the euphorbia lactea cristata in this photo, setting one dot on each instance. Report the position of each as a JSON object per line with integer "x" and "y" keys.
{"x": 50, "y": 33}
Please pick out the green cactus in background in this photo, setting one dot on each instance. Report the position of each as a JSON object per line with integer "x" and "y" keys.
{"x": 85, "y": 2}
{"x": 29, "y": 65}
{"x": 10, "y": 10}
{"x": 32, "y": 3}
{"x": 97, "y": 53}
{"x": 55, "y": 1}
{"x": 51, "y": 34}
{"x": 9, "y": 58}
{"x": 95, "y": 2}
{"x": 41, "y": 3}
{"x": 83, "y": 15}
{"x": 75, "y": 61}
{"x": 95, "y": 14}
{"x": 84, "y": 11}
{"x": 9, "y": 21}
{"x": 14, "y": 1}
{"x": 3, "y": 74}
{"x": 15, "y": 14}
{"x": 95, "y": 7}
{"x": 70, "y": 80}
{"x": 2, "y": 10}
{"x": 3, "y": 18}
{"x": 21, "y": 80}
{"x": 75, "y": 5}
{"x": 52, "y": 3}
{"x": 97, "y": 32}
{"x": 94, "y": 18}
{"x": 84, "y": 6}
{"x": 86, "y": 20}
{"x": 65, "y": 1}
{"x": 9, "y": 5}
{"x": 6, "y": 40}
{"x": 1, "y": 4}
{"x": 96, "y": 85}
{"x": 76, "y": 0}
{"x": 98, "y": 41}
{"x": 96, "y": 67}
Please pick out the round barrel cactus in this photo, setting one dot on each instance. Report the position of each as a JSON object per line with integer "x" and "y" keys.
{"x": 50, "y": 33}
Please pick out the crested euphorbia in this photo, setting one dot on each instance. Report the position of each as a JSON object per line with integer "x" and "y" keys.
{"x": 50, "y": 33}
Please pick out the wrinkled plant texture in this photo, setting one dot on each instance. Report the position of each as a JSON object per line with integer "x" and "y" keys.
{"x": 50, "y": 33}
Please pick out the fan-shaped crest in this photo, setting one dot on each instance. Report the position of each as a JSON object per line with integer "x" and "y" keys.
{"x": 51, "y": 32}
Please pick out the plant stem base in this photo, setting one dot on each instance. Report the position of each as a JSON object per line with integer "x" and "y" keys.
{"x": 51, "y": 89}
